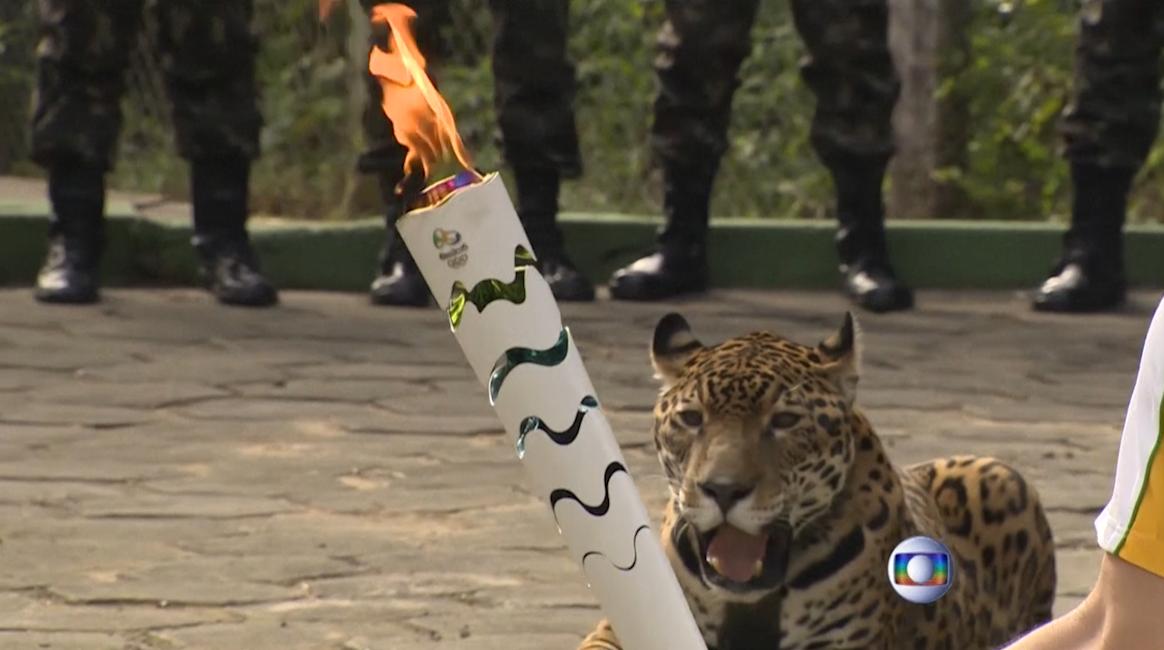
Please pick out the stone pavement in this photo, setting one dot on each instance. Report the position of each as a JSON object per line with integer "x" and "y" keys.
{"x": 328, "y": 475}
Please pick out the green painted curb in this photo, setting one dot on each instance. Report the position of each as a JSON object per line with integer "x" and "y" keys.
{"x": 800, "y": 254}
{"x": 744, "y": 252}
{"x": 23, "y": 228}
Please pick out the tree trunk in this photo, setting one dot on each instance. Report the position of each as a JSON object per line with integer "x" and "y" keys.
{"x": 930, "y": 43}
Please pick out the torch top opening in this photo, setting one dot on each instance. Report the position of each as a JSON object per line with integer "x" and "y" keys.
{"x": 437, "y": 193}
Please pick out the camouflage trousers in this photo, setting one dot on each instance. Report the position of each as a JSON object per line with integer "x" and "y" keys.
{"x": 848, "y": 68}
{"x": 207, "y": 53}
{"x": 534, "y": 88}
{"x": 1114, "y": 114}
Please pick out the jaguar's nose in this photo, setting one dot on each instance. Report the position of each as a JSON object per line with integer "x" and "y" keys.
{"x": 725, "y": 494}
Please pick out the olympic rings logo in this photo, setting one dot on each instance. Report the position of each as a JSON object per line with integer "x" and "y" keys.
{"x": 442, "y": 238}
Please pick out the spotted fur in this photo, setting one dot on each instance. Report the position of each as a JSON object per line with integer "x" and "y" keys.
{"x": 777, "y": 420}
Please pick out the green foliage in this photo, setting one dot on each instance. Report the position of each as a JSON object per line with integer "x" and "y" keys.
{"x": 771, "y": 170}
{"x": 311, "y": 108}
{"x": 17, "y": 35}
{"x": 1016, "y": 85}
{"x": 1006, "y": 95}
{"x": 612, "y": 44}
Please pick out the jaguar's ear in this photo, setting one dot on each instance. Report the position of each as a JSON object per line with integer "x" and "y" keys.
{"x": 841, "y": 356}
{"x": 672, "y": 346}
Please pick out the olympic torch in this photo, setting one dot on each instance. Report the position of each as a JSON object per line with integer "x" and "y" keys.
{"x": 475, "y": 257}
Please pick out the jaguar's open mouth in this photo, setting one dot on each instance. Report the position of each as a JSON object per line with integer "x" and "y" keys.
{"x": 731, "y": 559}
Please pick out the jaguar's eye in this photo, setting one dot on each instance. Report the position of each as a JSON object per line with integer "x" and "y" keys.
{"x": 691, "y": 418}
{"x": 784, "y": 420}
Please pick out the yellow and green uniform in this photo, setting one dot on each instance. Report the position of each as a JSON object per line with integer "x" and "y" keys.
{"x": 1132, "y": 525}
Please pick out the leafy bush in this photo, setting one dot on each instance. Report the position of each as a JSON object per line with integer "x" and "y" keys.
{"x": 17, "y": 34}
{"x": 1016, "y": 85}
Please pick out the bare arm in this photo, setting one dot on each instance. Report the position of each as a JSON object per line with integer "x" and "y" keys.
{"x": 1125, "y": 609}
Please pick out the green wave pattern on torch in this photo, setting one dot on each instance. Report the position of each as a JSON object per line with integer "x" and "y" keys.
{"x": 515, "y": 357}
{"x": 486, "y": 291}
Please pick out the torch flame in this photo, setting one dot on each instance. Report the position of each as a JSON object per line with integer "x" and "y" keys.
{"x": 421, "y": 120}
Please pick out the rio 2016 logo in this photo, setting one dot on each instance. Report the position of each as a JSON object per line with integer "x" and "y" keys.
{"x": 451, "y": 248}
{"x": 921, "y": 570}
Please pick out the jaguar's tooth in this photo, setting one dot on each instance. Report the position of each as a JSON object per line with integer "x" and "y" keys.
{"x": 758, "y": 568}
{"x": 714, "y": 562}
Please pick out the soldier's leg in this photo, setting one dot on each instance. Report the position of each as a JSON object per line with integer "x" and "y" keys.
{"x": 850, "y": 72}
{"x": 1108, "y": 129}
{"x": 398, "y": 281}
{"x": 81, "y": 61}
{"x": 701, "y": 47}
{"x": 208, "y": 54}
{"x": 534, "y": 87}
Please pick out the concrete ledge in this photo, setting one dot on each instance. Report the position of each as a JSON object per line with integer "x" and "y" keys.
{"x": 744, "y": 252}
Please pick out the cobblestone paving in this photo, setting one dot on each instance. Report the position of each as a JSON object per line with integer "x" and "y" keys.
{"x": 328, "y": 475}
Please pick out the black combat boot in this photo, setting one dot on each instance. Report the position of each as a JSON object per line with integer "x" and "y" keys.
{"x": 398, "y": 281}
{"x": 76, "y": 235}
{"x": 229, "y": 266}
{"x": 1090, "y": 274}
{"x": 537, "y": 206}
{"x": 679, "y": 264}
{"x": 868, "y": 278}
